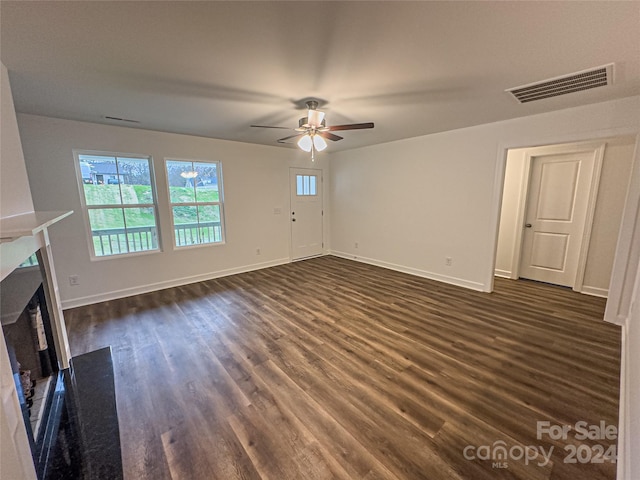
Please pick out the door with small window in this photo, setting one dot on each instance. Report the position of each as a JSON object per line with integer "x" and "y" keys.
{"x": 306, "y": 213}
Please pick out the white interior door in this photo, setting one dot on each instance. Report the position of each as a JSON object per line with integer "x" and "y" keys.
{"x": 306, "y": 212}
{"x": 556, "y": 214}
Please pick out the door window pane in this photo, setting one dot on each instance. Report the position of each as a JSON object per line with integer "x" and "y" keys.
{"x": 306, "y": 185}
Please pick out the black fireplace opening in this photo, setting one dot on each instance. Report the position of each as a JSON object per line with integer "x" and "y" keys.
{"x": 27, "y": 332}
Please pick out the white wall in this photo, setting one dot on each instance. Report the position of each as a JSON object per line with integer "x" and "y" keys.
{"x": 255, "y": 177}
{"x": 15, "y": 196}
{"x": 511, "y": 215}
{"x": 614, "y": 180}
{"x": 411, "y": 203}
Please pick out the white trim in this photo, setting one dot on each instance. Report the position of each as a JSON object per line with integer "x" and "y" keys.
{"x": 503, "y": 273}
{"x": 590, "y": 136}
{"x": 460, "y": 282}
{"x": 85, "y": 208}
{"x": 594, "y": 291}
{"x": 523, "y": 196}
{"x": 321, "y": 193}
{"x": 152, "y": 287}
{"x": 595, "y": 147}
{"x": 626, "y": 247}
{"x": 624, "y": 458}
{"x": 598, "y": 157}
{"x": 219, "y": 203}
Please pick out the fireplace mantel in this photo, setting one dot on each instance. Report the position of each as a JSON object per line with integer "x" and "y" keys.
{"x": 28, "y": 224}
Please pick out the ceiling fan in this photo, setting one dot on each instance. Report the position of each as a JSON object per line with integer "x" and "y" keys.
{"x": 313, "y": 130}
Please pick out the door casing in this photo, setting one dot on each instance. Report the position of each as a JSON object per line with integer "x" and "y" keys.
{"x": 316, "y": 248}
{"x": 597, "y": 149}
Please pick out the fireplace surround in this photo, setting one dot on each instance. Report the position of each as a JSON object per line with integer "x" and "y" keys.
{"x": 78, "y": 398}
{"x": 77, "y": 436}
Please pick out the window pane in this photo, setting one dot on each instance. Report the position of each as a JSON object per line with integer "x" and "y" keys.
{"x": 99, "y": 174}
{"x": 181, "y": 181}
{"x": 134, "y": 179}
{"x": 206, "y": 182}
{"x": 29, "y": 262}
{"x": 312, "y": 190}
{"x": 306, "y": 185}
{"x": 141, "y": 229}
{"x": 185, "y": 221}
{"x": 210, "y": 227}
{"x": 107, "y": 231}
{"x": 299, "y": 189}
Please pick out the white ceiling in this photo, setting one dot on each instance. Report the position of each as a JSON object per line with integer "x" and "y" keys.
{"x": 215, "y": 68}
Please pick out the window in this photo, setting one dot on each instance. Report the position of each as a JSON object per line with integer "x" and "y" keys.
{"x": 30, "y": 262}
{"x": 306, "y": 185}
{"x": 195, "y": 193}
{"x": 119, "y": 202}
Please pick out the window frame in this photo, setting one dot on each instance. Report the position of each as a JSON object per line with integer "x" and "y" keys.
{"x": 85, "y": 207}
{"x": 220, "y": 203}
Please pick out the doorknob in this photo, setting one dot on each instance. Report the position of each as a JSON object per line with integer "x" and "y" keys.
{"x": 293, "y": 219}
{"x": 528, "y": 225}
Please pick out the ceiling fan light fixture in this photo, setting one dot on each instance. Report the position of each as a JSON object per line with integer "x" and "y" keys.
{"x": 319, "y": 143}
{"x": 305, "y": 143}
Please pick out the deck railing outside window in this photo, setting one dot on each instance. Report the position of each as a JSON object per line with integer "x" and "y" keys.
{"x": 110, "y": 241}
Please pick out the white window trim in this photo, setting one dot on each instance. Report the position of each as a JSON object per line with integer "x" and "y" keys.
{"x": 220, "y": 203}
{"x": 85, "y": 208}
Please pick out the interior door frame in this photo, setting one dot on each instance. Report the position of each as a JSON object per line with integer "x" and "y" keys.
{"x": 320, "y": 188}
{"x": 597, "y": 148}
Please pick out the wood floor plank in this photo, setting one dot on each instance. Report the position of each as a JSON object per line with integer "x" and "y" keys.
{"x": 332, "y": 369}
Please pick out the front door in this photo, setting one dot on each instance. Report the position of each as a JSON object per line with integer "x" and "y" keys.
{"x": 306, "y": 212}
{"x": 556, "y": 214}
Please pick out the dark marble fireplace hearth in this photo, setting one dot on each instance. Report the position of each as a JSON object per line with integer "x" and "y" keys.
{"x": 82, "y": 439}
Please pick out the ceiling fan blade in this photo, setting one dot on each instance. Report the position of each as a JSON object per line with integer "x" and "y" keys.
{"x": 353, "y": 126}
{"x": 329, "y": 136}
{"x": 269, "y": 126}
{"x": 282, "y": 140}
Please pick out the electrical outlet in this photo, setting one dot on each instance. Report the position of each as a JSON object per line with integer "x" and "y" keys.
{"x": 258, "y": 251}
{"x": 355, "y": 245}
{"x": 277, "y": 211}
{"x": 74, "y": 280}
{"x": 448, "y": 261}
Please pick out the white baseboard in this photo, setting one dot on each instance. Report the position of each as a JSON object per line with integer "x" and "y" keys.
{"x": 595, "y": 291}
{"x": 176, "y": 282}
{"x": 502, "y": 273}
{"x": 460, "y": 282}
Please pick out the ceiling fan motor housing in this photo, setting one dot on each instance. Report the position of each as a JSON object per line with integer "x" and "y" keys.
{"x": 303, "y": 124}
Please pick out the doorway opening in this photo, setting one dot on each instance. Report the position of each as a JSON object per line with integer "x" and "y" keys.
{"x": 561, "y": 211}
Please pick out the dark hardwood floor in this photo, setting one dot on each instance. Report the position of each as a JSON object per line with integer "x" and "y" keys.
{"x": 329, "y": 368}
